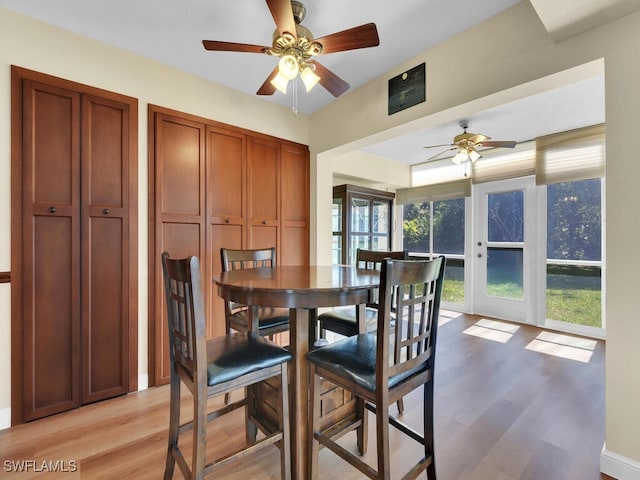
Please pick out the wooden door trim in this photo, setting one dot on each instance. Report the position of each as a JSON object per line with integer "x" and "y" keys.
{"x": 18, "y": 75}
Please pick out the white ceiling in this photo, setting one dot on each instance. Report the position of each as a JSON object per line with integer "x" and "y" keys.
{"x": 171, "y": 32}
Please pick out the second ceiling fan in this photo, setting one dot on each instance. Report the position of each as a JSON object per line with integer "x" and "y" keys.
{"x": 295, "y": 45}
{"x": 467, "y": 145}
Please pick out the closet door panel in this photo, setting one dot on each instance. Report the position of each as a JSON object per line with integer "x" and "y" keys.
{"x": 220, "y": 236}
{"x": 51, "y": 329}
{"x": 226, "y": 170}
{"x": 105, "y": 218}
{"x": 263, "y": 196}
{"x": 179, "y": 212}
{"x": 226, "y": 211}
{"x": 181, "y": 240}
{"x": 263, "y": 179}
{"x": 264, "y": 236}
{"x": 181, "y": 172}
{"x": 295, "y": 205}
{"x": 295, "y": 246}
{"x": 295, "y": 184}
{"x": 51, "y": 285}
{"x": 105, "y": 323}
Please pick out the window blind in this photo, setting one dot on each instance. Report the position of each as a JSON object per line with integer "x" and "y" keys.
{"x": 570, "y": 156}
{"x": 501, "y": 164}
{"x": 441, "y": 191}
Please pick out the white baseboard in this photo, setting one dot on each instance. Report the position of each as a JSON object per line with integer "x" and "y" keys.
{"x": 617, "y": 466}
{"x": 5, "y": 418}
{"x": 143, "y": 381}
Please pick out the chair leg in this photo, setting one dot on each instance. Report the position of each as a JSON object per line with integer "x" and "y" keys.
{"x": 314, "y": 414}
{"x": 174, "y": 424}
{"x": 428, "y": 429}
{"x": 382, "y": 434}
{"x": 285, "y": 445}
{"x": 361, "y": 432}
{"x": 199, "y": 433}
{"x": 400, "y": 405}
{"x": 251, "y": 431}
{"x": 227, "y": 398}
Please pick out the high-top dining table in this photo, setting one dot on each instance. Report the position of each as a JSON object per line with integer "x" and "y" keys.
{"x": 302, "y": 289}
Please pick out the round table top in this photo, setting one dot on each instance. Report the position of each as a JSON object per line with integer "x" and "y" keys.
{"x": 296, "y": 286}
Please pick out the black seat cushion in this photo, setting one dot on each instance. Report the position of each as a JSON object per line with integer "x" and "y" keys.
{"x": 269, "y": 317}
{"x": 354, "y": 358}
{"x": 343, "y": 321}
{"x": 237, "y": 354}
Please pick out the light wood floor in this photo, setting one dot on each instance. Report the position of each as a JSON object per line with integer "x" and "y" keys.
{"x": 504, "y": 410}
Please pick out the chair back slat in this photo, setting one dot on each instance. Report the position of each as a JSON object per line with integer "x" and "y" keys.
{"x": 233, "y": 259}
{"x": 372, "y": 260}
{"x": 412, "y": 289}
{"x": 185, "y": 313}
{"x": 236, "y": 259}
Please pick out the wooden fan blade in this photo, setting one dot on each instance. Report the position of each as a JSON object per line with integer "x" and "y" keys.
{"x": 266, "y": 88}
{"x": 282, "y": 14}
{"x": 443, "y": 145}
{"x": 329, "y": 80}
{"x": 357, "y": 37}
{"x": 503, "y": 144}
{"x": 232, "y": 47}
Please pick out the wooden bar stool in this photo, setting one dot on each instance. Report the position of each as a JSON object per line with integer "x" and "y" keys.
{"x": 271, "y": 320}
{"x": 344, "y": 320}
{"x": 214, "y": 367}
{"x": 381, "y": 368}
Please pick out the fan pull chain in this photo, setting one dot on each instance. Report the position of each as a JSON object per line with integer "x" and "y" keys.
{"x": 294, "y": 108}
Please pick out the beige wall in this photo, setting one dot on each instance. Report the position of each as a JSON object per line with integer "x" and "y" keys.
{"x": 508, "y": 55}
{"x": 34, "y": 45}
{"x": 520, "y": 57}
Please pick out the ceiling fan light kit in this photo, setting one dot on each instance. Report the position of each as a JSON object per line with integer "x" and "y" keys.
{"x": 466, "y": 154}
{"x": 295, "y": 45}
{"x": 309, "y": 77}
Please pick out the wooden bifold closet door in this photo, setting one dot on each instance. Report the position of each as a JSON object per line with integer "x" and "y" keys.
{"x": 74, "y": 246}
{"x": 214, "y": 185}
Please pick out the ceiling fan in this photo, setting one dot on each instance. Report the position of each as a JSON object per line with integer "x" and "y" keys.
{"x": 467, "y": 145}
{"x": 295, "y": 45}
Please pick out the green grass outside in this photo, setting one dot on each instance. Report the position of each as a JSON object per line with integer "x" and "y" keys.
{"x": 574, "y": 299}
{"x": 453, "y": 291}
{"x": 570, "y": 298}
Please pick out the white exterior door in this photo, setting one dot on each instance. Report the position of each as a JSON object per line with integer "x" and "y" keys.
{"x": 504, "y": 249}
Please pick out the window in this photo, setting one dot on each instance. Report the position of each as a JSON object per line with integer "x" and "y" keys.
{"x": 361, "y": 219}
{"x": 574, "y": 252}
{"x": 438, "y": 228}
